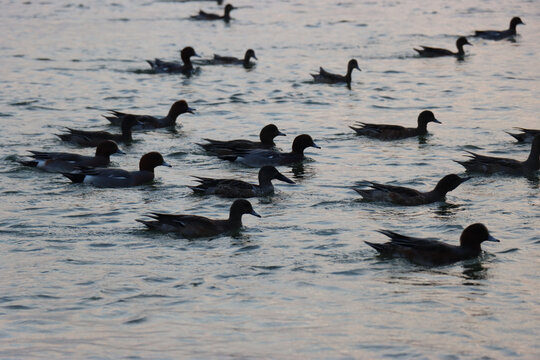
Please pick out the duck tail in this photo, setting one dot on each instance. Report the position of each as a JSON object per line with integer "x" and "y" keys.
{"x": 75, "y": 178}
{"x": 31, "y": 163}
{"x": 518, "y": 137}
{"x": 379, "y": 247}
{"x": 231, "y": 158}
{"x": 149, "y": 224}
{"x": 197, "y": 189}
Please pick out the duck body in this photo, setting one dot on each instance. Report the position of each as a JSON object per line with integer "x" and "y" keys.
{"x": 329, "y": 78}
{"x": 395, "y": 132}
{"x": 202, "y": 15}
{"x": 500, "y": 35}
{"x": 116, "y": 178}
{"x": 262, "y": 157}
{"x": 526, "y": 135}
{"x": 85, "y": 138}
{"x": 498, "y": 165}
{"x": 400, "y": 195}
{"x": 230, "y": 147}
{"x": 62, "y": 162}
{"x": 438, "y": 52}
{"x": 432, "y": 252}
{"x": 233, "y": 188}
{"x": 194, "y": 226}
{"x": 186, "y": 68}
{"x": 231, "y": 60}
{"x": 148, "y": 122}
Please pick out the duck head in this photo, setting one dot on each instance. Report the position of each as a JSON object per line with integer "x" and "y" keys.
{"x": 474, "y": 235}
{"x": 268, "y": 133}
{"x": 151, "y": 160}
{"x": 187, "y": 53}
{"x": 301, "y": 142}
{"x": 515, "y": 22}
{"x": 449, "y": 183}
{"x": 178, "y": 108}
{"x": 425, "y": 117}
{"x": 107, "y": 148}
{"x": 250, "y": 53}
{"x": 240, "y": 207}
{"x": 268, "y": 173}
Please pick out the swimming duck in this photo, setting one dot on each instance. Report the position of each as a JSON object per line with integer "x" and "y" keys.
{"x": 192, "y": 226}
{"x": 238, "y": 188}
{"x": 267, "y": 135}
{"x": 328, "y": 78}
{"x": 250, "y": 53}
{"x": 58, "y": 162}
{"x": 436, "y": 52}
{"x": 394, "y": 132}
{"x": 492, "y": 165}
{"x": 433, "y": 252}
{"x": 209, "y": 16}
{"x": 262, "y": 157}
{"x": 526, "y": 135}
{"x": 152, "y": 122}
{"x": 499, "y": 35}
{"x": 94, "y": 138}
{"x": 115, "y": 178}
{"x": 406, "y": 196}
{"x": 160, "y": 66}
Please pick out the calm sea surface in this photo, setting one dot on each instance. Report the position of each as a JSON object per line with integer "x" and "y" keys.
{"x": 79, "y": 278}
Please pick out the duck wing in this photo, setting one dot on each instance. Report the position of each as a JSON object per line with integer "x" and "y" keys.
{"x": 401, "y": 190}
{"x": 414, "y": 242}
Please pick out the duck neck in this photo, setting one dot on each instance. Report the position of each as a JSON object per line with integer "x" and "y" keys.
{"x": 126, "y": 133}
{"x": 460, "y": 51}
{"x": 422, "y": 128}
{"x": 187, "y": 62}
{"x": 235, "y": 220}
{"x": 265, "y": 182}
{"x": 266, "y": 139}
{"x": 227, "y": 15}
{"x": 533, "y": 161}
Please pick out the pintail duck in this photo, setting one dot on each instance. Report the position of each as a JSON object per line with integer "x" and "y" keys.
{"x": 526, "y": 135}
{"x": 494, "y": 165}
{"x": 193, "y": 226}
{"x": 61, "y": 162}
{"x": 116, "y": 178}
{"x": 499, "y": 35}
{"x": 202, "y": 15}
{"x": 160, "y": 66}
{"x": 394, "y": 132}
{"x": 328, "y": 78}
{"x": 233, "y": 188}
{"x": 406, "y": 196}
{"x": 262, "y": 157}
{"x": 267, "y": 135}
{"x": 151, "y": 122}
{"x": 436, "y": 52}
{"x": 94, "y": 138}
{"x": 433, "y": 252}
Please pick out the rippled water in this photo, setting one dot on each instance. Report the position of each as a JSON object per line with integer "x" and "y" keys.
{"x": 79, "y": 278}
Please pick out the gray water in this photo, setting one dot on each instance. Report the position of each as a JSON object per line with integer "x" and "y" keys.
{"x": 79, "y": 278}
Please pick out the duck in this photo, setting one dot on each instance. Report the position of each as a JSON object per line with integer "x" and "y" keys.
{"x": 231, "y": 60}
{"x": 328, "y": 78}
{"x": 499, "y": 35}
{"x": 436, "y": 52}
{"x": 266, "y": 136}
{"x": 160, "y": 66}
{"x": 498, "y": 165}
{"x": 263, "y": 157}
{"x": 233, "y": 188}
{"x": 526, "y": 135}
{"x": 94, "y": 138}
{"x": 151, "y": 122}
{"x": 118, "y": 178}
{"x": 202, "y": 15}
{"x": 58, "y": 162}
{"x": 395, "y": 132}
{"x": 194, "y": 226}
{"x": 400, "y": 195}
{"x": 431, "y": 252}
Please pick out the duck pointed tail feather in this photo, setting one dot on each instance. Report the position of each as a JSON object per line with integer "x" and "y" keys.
{"x": 75, "y": 178}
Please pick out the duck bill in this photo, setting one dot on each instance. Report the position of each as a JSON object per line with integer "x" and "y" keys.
{"x": 436, "y": 121}
{"x": 190, "y": 110}
{"x": 166, "y": 164}
{"x": 491, "y": 238}
{"x": 254, "y": 213}
{"x": 281, "y": 134}
{"x": 119, "y": 152}
{"x": 284, "y": 179}
{"x": 315, "y": 146}
{"x": 465, "y": 179}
